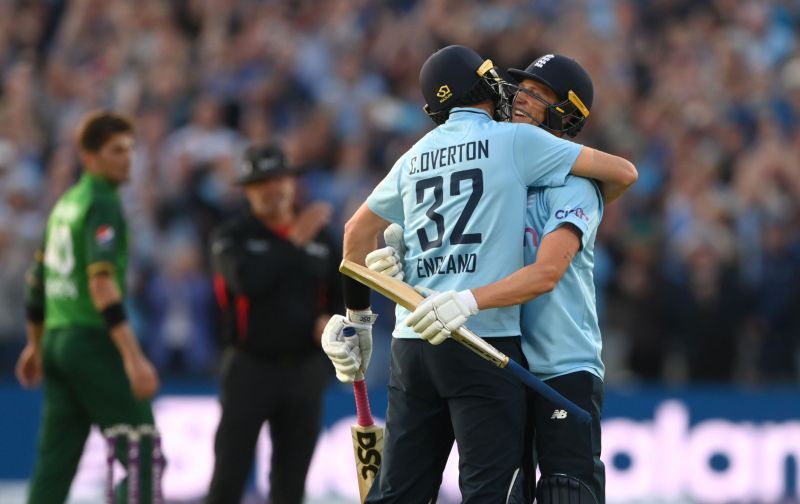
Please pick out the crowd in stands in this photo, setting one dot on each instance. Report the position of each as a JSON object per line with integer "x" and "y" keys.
{"x": 697, "y": 268}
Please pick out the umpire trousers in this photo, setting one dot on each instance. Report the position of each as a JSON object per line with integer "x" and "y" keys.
{"x": 288, "y": 395}
{"x": 442, "y": 393}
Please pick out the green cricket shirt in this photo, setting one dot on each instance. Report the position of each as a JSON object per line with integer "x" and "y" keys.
{"x": 85, "y": 234}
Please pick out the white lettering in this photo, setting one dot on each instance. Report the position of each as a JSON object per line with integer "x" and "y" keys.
{"x": 669, "y": 459}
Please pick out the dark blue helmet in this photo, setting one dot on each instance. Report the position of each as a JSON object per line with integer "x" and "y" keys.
{"x": 458, "y": 76}
{"x": 571, "y": 84}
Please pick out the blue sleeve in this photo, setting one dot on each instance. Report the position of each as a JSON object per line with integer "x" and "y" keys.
{"x": 386, "y": 201}
{"x": 577, "y": 203}
{"x": 542, "y": 158}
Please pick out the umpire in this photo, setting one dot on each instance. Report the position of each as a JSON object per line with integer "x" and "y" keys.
{"x": 277, "y": 282}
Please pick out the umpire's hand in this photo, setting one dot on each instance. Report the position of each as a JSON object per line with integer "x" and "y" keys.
{"x": 309, "y": 222}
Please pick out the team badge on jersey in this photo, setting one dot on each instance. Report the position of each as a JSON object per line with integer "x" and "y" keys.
{"x": 104, "y": 235}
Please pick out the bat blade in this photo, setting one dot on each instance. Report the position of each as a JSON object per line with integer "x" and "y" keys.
{"x": 405, "y": 295}
{"x": 367, "y": 442}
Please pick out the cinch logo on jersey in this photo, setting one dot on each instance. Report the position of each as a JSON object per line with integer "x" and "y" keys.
{"x": 104, "y": 235}
{"x": 447, "y": 265}
{"x": 447, "y": 156}
{"x": 567, "y": 211}
{"x": 529, "y": 231}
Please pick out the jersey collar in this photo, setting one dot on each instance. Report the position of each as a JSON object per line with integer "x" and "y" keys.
{"x": 98, "y": 182}
{"x": 468, "y": 113}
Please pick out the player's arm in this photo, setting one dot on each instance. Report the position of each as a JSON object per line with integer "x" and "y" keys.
{"x": 29, "y": 365}
{"x": 107, "y": 300}
{"x": 103, "y": 241}
{"x": 615, "y": 174}
{"x": 351, "y": 356}
{"x": 544, "y": 160}
{"x": 440, "y": 314}
{"x": 554, "y": 256}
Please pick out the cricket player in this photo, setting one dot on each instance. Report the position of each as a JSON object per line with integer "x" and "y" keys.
{"x": 79, "y": 341}
{"x": 560, "y": 332}
{"x": 459, "y": 194}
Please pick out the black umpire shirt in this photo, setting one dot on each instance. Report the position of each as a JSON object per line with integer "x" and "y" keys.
{"x": 271, "y": 292}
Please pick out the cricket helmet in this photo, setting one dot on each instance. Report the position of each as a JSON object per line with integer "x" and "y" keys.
{"x": 571, "y": 84}
{"x": 458, "y": 76}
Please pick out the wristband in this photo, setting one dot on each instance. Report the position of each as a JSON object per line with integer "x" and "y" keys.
{"x": 34, "y": 313}
{"x": 113, "y": 314}
{"x": 365, "y": 317}
{"x": 468, "y": 298}
{"x": 356, "y": 295}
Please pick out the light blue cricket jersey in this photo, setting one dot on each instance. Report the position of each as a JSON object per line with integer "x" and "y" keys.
{"x": 459, "y": 194}
{"x": 560, "y": 333}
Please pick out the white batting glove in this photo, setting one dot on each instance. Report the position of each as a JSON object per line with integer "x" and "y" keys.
{"x": 361, "y": 321}
{"x": 389, "y": 259}
{"x": 344, "y": 353}
{"x": 442, "y": 313}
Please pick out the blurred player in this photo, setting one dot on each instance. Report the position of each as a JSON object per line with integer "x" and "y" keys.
{"x": 460, "y": 195}
{"x": 79, "y": 341}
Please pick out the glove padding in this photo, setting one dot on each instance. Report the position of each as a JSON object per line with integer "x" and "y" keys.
{"x": 350, "y": 355}
{"x": 389, "y": 259}
{"x": 344, "y": 353}
{"x": 442, "y": 313}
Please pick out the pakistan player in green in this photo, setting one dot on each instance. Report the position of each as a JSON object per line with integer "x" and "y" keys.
{"x": 79, "y": 342}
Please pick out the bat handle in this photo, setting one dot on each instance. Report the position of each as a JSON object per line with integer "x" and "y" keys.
{"x": 490, "y": 353}
{"x": 549, "y": 393}
{"x": 360, "y": 391}
{"x": 362, "y": 404}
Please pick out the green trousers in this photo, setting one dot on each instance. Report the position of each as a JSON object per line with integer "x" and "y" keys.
{"x": 84, "y": 385}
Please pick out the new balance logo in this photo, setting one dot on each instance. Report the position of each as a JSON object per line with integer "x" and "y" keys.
{"x": 559, "y": 414}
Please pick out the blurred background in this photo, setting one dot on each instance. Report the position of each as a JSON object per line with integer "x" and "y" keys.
{"x": 697, "y": 267}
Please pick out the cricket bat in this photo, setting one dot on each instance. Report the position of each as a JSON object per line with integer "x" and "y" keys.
{"x": 405, "y": 295}
{"x": 367, "y": 437}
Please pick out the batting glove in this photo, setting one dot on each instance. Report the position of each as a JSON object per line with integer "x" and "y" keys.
{"x": 361, "y": 321}
{"x": 441, "y": 314}
{"x": 389, "y": 259}
{"x": 344, "y": 353}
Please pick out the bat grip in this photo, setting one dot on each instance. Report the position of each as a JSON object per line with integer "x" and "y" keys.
{"x": 362, "y": 404}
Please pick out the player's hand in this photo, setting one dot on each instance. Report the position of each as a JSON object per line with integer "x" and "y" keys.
{"x": 442, "y": 313}
{"x": 350, "y": 355}
{"x": 309, "y": 222}
{"x": 343, "y": 352}
{"x": 361, "y": 321}
{"x": 142, "y": 376}
{"x": 386, "y": 261}
{"x": 29, "y": 366}
{"x": 389, "y": 259}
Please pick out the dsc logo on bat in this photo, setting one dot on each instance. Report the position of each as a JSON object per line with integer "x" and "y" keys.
{"x": 368, "y": 454}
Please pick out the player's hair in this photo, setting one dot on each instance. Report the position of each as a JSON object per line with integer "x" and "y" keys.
{"x": 99, "y": 127}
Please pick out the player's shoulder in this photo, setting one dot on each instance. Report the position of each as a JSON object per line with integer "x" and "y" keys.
{"x": 576, "y": 188}
{"x": 524, "y": 131}
{"x": 581, "y": 184}
{"x": 100, "y": 202}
